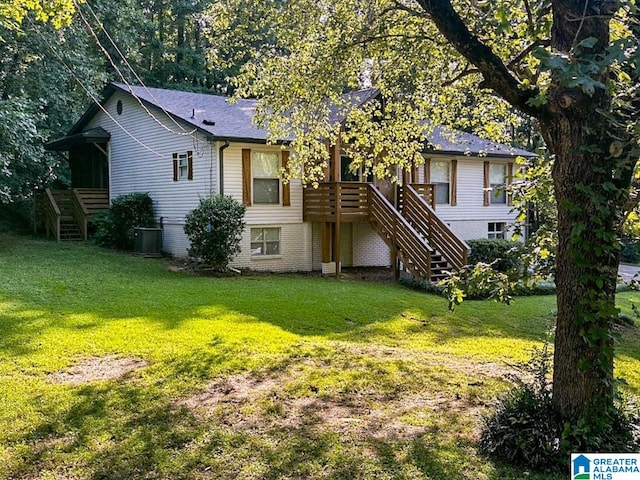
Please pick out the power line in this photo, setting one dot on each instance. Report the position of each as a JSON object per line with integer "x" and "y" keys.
{"x": 89, "y": 93}
{"x": 122, "y": 77}
{"x": 130, "y": 67}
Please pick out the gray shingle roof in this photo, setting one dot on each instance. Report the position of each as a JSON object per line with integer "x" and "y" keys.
{"x": 446, "y": 140}
{"x": 211, "y": 114}
{"x": 217, "y": 117}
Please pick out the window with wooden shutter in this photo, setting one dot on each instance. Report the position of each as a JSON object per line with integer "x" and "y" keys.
{"x": 498, "y": 183}
{"x": 441, "y": 178}
{"x": 183, "y": 166}
{"x": 286, "y": 187}
{"x": 486, "y": 185}
{"x": 265, "y": 170}
{"x": 175, "y": 167}
{"x": 246, "y": 176}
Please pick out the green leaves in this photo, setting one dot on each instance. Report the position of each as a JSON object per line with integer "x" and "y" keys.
{"x": 214, "y": 229}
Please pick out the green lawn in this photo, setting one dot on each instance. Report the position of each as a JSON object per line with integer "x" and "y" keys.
{"x": 115, "y": 367}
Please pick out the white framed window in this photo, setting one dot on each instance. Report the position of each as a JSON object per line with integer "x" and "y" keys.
{"x": 183, "y": 166}
{"x": 441, "y": 178}
{"x": 496, "y": 230}
{"x": 265, "y": 241}
{"x": 266, "y": 181}
{"x": 498, "y": 183}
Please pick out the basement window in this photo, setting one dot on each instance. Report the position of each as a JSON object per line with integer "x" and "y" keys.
{"x": 265, "y": 241}
{"x": 496, "y": 230}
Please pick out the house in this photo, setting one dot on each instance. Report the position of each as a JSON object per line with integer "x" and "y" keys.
{"x": 180, "y": 146}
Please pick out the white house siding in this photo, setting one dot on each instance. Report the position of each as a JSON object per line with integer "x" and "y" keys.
{"x": 296, "y": 237}
{"x": 369, "y": 250}
{"x": 135, "y": 168}
{"x": 469, "y": 219}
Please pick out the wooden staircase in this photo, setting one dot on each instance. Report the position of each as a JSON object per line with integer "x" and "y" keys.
{"x": 419, "y": 241}
{"x": 66, "y": 214}
{"x": 450, "y": 252}
{"x": 406, "y": 244}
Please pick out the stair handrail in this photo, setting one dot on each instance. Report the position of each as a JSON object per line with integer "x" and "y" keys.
{"x": 52, "y": 214}
{"x": 435, "y": 231}
{"x": 411, "y": 246}
{"x": 80, "y": 213}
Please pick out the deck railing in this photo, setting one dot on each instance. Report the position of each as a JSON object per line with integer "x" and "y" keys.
{"x": 423, "y": 217}
{"x": 52, "y": 215}
{"x": 79, "y": 204}
{"x": 337, "y": 201}
{"x": 398, "y": 233}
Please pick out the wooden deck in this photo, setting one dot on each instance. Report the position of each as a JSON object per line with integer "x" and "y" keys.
{"x": 412, "y": 230}
{"x": 66, "y": 214}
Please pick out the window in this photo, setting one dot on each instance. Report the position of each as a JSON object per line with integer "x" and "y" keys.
{"x": 441, "y": 179}
{"x": 497, "y": 182}
{"x": 266, "y": 182}
{"x": 183, "y": 166}
{"x": 265, "y": 241}
{"x": 496, "y": 230}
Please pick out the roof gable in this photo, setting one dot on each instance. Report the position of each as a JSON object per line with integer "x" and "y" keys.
{"x": 220, "y": 119}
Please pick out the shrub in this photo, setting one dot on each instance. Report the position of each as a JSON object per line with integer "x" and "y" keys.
{"x": 525, "y": 431}
{"x": 629, "y": 251}
{"x": 16, "y": 216}
{"x": 214, "y": 229}
{"x": 114, "y": 227}
{"x": 419, "y": 284}
{"x": 506, "y": 254}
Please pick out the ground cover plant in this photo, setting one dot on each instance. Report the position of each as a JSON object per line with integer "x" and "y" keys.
{"x": 113, "y": 366}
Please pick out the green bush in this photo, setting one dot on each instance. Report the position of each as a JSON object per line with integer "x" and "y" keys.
{"x": 525, "y": 431}
{"x": 506, "y": 254}
{"x": 214, "y": 229}
{"x": 16, "y": 217}
{"x": 114, "y": 227}
{"x": 629, "y": 251}
{"x": 419, "y": 284}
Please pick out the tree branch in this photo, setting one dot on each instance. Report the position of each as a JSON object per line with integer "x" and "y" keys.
{"x": 496, "y": 75}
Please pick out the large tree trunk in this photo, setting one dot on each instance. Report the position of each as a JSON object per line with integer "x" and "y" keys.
{"x": 586, "y": 266}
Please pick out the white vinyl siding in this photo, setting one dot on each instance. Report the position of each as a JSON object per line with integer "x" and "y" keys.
{"x": 469, "y": 218}
{"x": 141, "y": 160}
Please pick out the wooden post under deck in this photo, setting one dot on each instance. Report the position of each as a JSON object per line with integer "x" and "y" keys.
{"x": 336, "y": 231}
{"x": 326, "y": 242}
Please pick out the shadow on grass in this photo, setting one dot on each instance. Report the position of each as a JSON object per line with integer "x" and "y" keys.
{"x": 128, "y": 429}
{"x": 81, "y": 288}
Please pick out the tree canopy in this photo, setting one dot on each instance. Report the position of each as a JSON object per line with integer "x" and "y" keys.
{"x": 572, "y": 66}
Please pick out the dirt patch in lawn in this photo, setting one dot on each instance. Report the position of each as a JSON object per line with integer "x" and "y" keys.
{"x": 256, "y": 403}
{"x": 98, "y": 368}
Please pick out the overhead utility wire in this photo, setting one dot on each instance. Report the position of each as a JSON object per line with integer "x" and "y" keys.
{"x": 126, "y": 62}
{"x": 93, "y": 97}
{"x": 121, "y": 75}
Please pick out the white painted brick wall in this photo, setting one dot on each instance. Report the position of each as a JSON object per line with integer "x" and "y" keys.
{"x": 295, "y": 250}
{"x": 369, "y": 250}
{"x": 474, "y": 229}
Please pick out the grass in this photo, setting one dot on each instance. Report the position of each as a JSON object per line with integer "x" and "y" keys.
{"x": 270, "y": 377}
